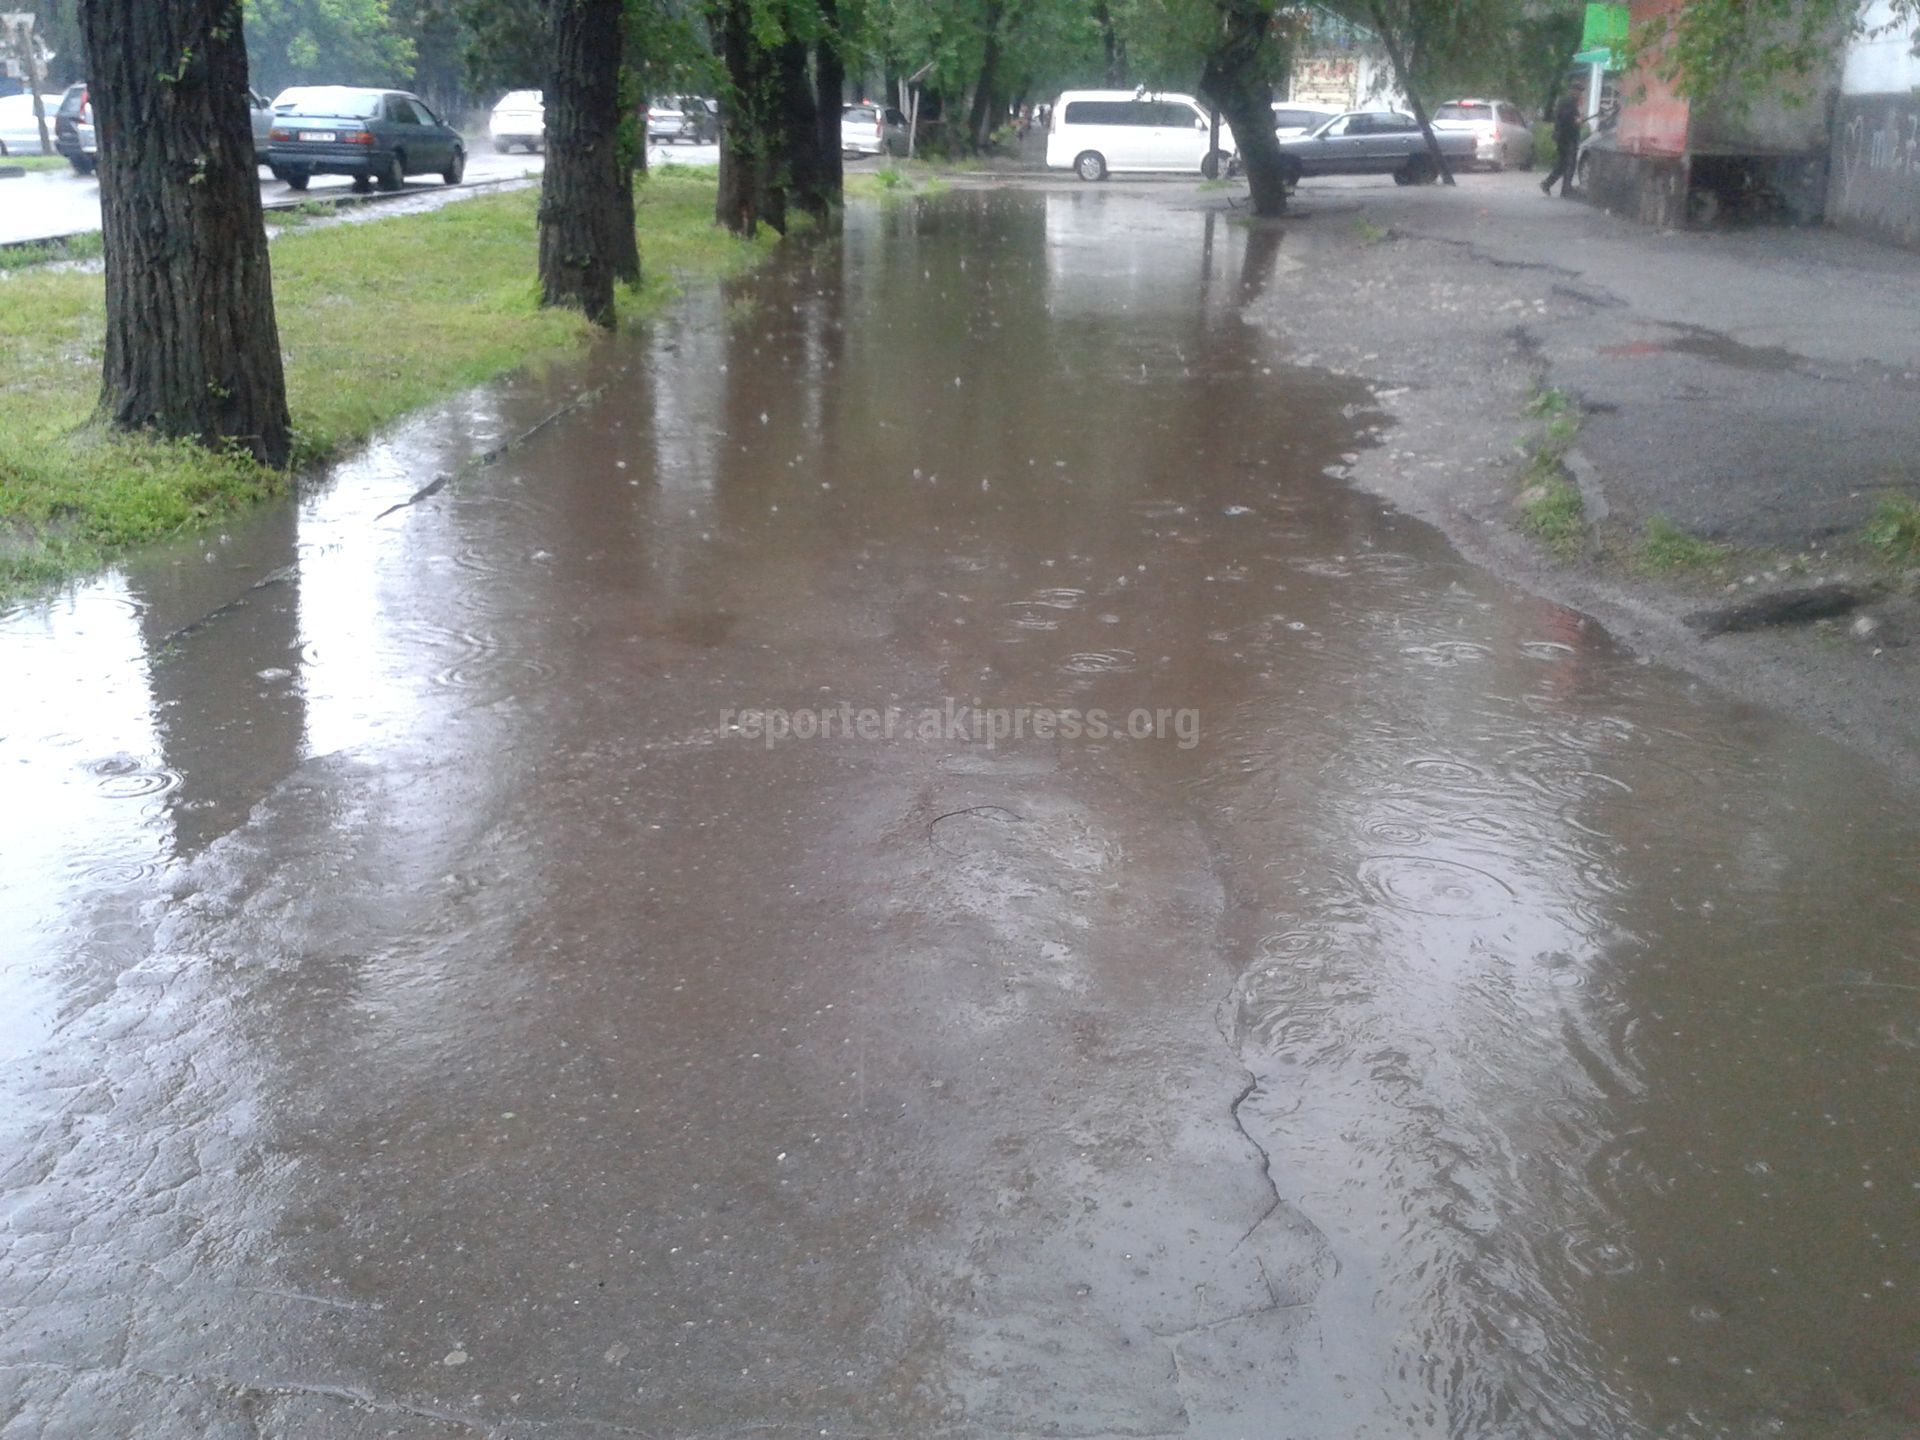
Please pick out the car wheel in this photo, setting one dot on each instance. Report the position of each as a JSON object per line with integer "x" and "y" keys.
{"x": 82, "y": 164}
{"x": 456, "y": 169}
{"x": 295, "y": 179}
{"x": 1090, "y": 165}
{"x": 395, "y": 174}
{"x": 1290, "y": 171}
{"x": 362, "y": 184}
{"x": 503, "y": 147}
{"x": 1214, "y": 165}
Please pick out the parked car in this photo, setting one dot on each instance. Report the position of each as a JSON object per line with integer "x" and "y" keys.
{"x": 867, "y": 129}
{"x": 702, "y": 125}
{"x": 376, "y": 136}
{"x": 683, "y": 117}
{"x": 75, "y": 138}
{"x": 1290, "y": 118}
{"x": 1095, "y": 133}
{"x": 1370, "y": 142}
{"x": 19, "y": 131}
{"x": 519, "y": 119}
{"x": 1501, "y": 134}
{"x": 1296, "y": 117}
{"x": 73, "y": 133}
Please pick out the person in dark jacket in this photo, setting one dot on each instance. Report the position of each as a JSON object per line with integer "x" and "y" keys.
{"x": 1566, "y": 144}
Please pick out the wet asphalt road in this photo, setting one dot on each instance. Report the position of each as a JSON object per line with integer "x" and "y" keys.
{"x": 47, "y": 204}
{"x": 434, "y": 1007}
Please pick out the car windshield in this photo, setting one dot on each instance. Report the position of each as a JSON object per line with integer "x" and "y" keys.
{"x": 1465, "y": 110}
{"x": 1326, "y": 125}
{"x": 333, "y": 104}
{"x": 860, "y": 112}
{"x": 521, "y": 100}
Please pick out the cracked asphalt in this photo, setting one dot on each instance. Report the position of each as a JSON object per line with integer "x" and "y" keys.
{"x": 910, "y": 850}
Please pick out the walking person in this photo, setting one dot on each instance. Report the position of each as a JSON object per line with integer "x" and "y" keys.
{"x": 1566, "y": 144}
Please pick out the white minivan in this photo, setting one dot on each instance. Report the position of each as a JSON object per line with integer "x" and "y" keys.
{"x": 1097, "y": 132}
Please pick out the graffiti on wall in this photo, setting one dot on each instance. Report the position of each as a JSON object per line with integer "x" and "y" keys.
{"x": 1875, "y": 171}
{"x": 1886, "y": 145}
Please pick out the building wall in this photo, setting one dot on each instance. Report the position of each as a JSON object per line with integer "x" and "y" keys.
{"x": 1653, "y": 119}
{"x": 1350, "y": 78}
{"x": 1873, "y": 181}
{"x": 1880, "y": 64}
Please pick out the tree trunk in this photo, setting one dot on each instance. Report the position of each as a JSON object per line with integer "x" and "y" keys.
{"x": 742, "y": 150}
{"x": 27, "y": 39}
{"x": 753, "y": 175}
{"x": 830, "y": 98}
{"x": 586, "y": 193}
{"x": 1113, "y": 43}
{"x": 1397, "y": 57}
{"x": 192, "y": 348}
{"x": 980, "y": 122}
{"x": 1234, "y": 78}
{"x": 799, "y": 171}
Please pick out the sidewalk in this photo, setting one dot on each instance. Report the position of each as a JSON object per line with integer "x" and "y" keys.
{"x": 1756, "y": 389}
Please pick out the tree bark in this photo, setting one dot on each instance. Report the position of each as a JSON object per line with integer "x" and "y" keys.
{"x": 1113, "y": 43}
{"x": 192, "y": 347}
{"x": 742, "y": 157}
{"x": 587, "y": 244}
{"x": 752, "y": 188}
{"x": 26, "y": 41}
{"x": 799, "y": 168}
{"x": 1403, "y": 77}
{"x": 1234, "y": 79}
{"x": 830, "y": 98}
{"x": 980, "y": 122}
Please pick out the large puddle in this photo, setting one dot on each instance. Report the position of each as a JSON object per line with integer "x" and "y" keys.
{"x": 436, "y": 992}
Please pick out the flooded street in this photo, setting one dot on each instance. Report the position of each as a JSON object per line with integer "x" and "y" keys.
{"x": 600, "y": 948}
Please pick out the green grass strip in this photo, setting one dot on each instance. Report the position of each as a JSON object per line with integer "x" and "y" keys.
{"x": 377, "y": 319}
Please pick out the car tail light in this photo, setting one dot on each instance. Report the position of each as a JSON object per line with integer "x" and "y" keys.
{"x": 278, "y": 134}
{"x": 357, "y": 137}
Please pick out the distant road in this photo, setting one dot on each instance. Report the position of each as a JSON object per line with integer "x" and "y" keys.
{"x": 43, "y": 205}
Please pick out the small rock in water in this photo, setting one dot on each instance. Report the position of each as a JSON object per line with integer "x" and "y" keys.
{"x": 616, "y": 1353}
{"x": 1865, "y": 627}
{"x": 455, "y": 1357}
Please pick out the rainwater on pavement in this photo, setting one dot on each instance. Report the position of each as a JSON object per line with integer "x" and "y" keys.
{"x": 586, "y": 952}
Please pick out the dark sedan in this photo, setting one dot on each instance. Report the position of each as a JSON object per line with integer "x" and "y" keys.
{"x": 379, "y": 137}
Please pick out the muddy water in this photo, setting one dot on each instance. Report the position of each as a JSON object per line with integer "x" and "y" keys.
{"x": 430, "y": 1001}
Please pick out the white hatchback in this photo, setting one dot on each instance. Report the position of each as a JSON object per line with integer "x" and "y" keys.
{"x": 519, "y": 119}
{"x": 1097, "y": 132}
{"x": 1501, "y": 134}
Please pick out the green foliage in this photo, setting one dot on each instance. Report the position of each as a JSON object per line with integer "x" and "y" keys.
{"x": 1894, "y": 531}
{"x": 1664, "y": 548}
{"x": 1732, "y": 49}
{"x": 1552, "y": 513}
{"x": 84, "y": 246}
{"x": 325, "y": 42}
{"x": 506, "y": 43}
{"x": 1549, "y": 403}
{"x": 376, "y": 319}
{"x": 1551, "y": 509}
